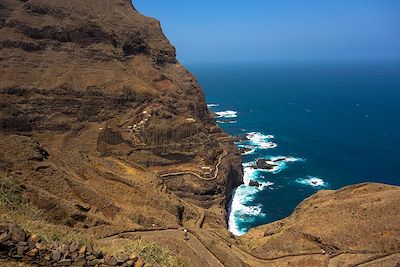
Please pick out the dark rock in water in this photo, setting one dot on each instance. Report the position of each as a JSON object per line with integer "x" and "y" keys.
{"x": 254, "y": 183}
{"x": 279, "y": 159}
{"x": 243, "y": 150}
{"x": 264, "y": 164}
{"x": 240, "y": 138}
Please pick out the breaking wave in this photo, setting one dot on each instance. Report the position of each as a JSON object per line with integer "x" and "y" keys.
{"x": 226, "y": 114}
{"x": 312, "y": 181}
{"x": 261, "y": 141}
{"x": 250, "y": 149}
{"x": 227, "y": 122}
{"x": 280, "y": 163}
{"x": 212, "y": 105}
{"x": 240, "y": 210}
{"x": 244, "y": 209}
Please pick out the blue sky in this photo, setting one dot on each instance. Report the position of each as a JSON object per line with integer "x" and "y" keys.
{"x": 280, "y": 30}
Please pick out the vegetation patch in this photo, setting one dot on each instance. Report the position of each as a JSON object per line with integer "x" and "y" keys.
{"x": 154, "y": 254}
{"x": 14, "y": 208}
{"x": 10, "y": 193}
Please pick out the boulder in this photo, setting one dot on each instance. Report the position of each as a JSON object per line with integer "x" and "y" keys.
{"x": 240, "y": 138}
{"x": 95, "y": 262}
{"x": 80, "y": 261}
{"x": 56, "y": 255}
{"x": 73, "y": 247}
{"x": 140, "y": 262}
{"x": 264, "y": 164}
{"x": 4, "y": 237}
{"x": 64, "y": 262}
{"x": 32, "y": 253}
{"x": 17, "y": 234}
{"x": 254, "y": 183}
{"x": 110, "y": 261}
{"x": 82, "y": 250}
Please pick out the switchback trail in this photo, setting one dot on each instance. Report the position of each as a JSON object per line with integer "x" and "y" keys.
{"x": 197, "y": 175}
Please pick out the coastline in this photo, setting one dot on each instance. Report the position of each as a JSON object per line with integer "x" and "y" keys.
{"x": 243, "y": 208}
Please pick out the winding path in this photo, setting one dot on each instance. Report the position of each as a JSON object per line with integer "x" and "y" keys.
{"x": 196, "y": 174}
{"x": 177, "y": 234}
{"x": 203, "y": 251}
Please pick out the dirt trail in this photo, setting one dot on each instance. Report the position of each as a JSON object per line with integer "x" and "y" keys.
{"x": 197, "y": 175}
{"x": 176, "y": 236}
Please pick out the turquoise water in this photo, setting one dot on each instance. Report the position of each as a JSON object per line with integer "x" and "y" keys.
{"x": 336, "y": 125}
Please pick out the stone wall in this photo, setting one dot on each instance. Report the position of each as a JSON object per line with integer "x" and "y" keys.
{"x": 19, "y": 245}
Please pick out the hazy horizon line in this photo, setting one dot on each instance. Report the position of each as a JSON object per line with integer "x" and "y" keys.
{"x": 319, "y": 62}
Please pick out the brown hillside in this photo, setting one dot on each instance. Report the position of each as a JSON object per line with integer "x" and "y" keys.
{"x": 94, "y": 106}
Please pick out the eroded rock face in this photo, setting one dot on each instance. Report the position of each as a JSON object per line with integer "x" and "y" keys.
{"x": 98, "y": 87}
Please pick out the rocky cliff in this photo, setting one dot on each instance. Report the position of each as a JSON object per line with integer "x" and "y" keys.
{"x": 94, "y": 107}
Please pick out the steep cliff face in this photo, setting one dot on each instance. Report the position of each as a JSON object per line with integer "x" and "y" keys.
{"x": 95, "y": 106}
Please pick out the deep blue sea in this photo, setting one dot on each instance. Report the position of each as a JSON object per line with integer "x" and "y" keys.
{"x": 331, "y": 125}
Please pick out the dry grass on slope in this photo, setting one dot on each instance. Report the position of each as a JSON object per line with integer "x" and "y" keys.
{"x": 153, "y": 253}
{"x": 14, "y": 208}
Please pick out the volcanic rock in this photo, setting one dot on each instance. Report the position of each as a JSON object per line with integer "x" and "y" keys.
{"x": 264, "y": 164}
{"x": 240, "y": 138}
{"x": 254, "y": 183}
{"x": 243, "y": 150}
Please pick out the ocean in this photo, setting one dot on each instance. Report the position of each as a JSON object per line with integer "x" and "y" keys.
{"x": 320, "y": 126}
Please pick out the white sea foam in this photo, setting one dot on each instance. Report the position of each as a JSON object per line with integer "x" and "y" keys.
{"x": 249, "y": 173}
{"x": 227, "y": 121}
{"x": 260, "y": 140}
{"x": 212, "y": 105}
{"x": 226, "y": 114}
{"x": 251, "y": 149}
{"x": 276, "y": 169}
{"x": 249, "y": 152}
{"x": 312, "y": 181}
{"x": 266, "y": 184}
{"x": 251, "y": 210}
{"x": 268, "y": 145}
{"x": 239, "y": 210}
{"x": 285, "y": 159}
